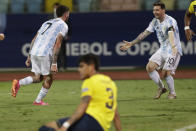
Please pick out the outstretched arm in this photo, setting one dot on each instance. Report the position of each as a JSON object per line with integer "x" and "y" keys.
{"x": 78, "y": 113}
{"x": 140, "y": 37}
{"x": 28, "y": 61}
{"x": 117, "y": 122}
{"x": 187, "y": 20}
{"x": 56, "y": 51}
{"x": 172, "y": 40}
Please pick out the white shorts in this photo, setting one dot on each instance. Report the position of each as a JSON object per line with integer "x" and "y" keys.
{"x": 41, "y": 64}
{"x": 166, "y": 61}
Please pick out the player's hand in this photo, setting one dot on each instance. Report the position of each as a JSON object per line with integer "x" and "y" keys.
{"x": 126, "y": 45}
{"x": 28, "y": 62}
{"x": 2, "y": 36}
{"x": 189, "y": 34}
{"x": 54, "y": 68}
{"x": 62, "y": 129}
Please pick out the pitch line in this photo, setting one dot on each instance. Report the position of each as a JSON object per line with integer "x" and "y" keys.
{"x": 190, "y": 127}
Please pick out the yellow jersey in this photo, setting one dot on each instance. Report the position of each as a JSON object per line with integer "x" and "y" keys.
{"x": 192, "y": 7}
{"x": 103, "y": 92}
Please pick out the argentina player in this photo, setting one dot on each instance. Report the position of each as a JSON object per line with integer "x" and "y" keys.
{"x": 168, "y": 55}
{"x": 43, "y": 55}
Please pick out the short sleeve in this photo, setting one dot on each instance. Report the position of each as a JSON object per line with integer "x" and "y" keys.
{"x": 191, "y": 8}
{"x": 151, "y": 26}
{"x": 86, "y": 89}
{"x": 170, "y": 23}
{"x": 64, "y": 30}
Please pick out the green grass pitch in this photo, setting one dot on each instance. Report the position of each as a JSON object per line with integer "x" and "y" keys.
{"x": 138, "y": 110}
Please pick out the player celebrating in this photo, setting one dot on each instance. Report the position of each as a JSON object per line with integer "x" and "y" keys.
{"x": 43, "y": 55}
{"x": 169, "y": 53}
{"x": 98, "y": 105}
{"x": 187, "y": 20}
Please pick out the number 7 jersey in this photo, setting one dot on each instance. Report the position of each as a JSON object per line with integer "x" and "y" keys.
{"x": 46, "y": 36}
{"x": 103, "y": 92}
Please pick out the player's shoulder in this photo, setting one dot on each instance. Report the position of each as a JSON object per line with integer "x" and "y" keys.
{"x": 101, "y": 76}
{"x": 192, "y": 2}
{"x": 154, "y": 21}
{"x": 170, "y": 18}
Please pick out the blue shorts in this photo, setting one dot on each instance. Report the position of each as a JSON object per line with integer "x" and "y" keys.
{"x": 86, "y": 123}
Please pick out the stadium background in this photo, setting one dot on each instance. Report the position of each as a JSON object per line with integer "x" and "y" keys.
{"x": 98, "y": 26}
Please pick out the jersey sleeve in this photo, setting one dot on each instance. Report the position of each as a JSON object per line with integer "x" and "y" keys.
{"x": 86, "y": 88}
{"x": 150, "y": 28}
{"x": 191, "y": 8}
{"x": 170, "y": 24}
{"x": 64, "y": 30}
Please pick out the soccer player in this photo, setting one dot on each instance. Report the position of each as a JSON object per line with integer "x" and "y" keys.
{"x": 168, "y": 55}
{"x": 98, "y": 104}
{"x": 43, "y": 55}
{"x": 187, "y": 19}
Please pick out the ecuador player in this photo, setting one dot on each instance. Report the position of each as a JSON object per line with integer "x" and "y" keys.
{"x": 187, "y": 19}
{"x": 98, "y": 105}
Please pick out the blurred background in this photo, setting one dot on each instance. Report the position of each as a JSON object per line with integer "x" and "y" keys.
{"x": 96, "y": 26}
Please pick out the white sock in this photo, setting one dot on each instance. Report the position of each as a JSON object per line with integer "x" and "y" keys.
{"x": 170, "y": 84}
{"x": 154, "y": 75}
{"x": 42, "y": 94}
{"x": 26, "y": 81}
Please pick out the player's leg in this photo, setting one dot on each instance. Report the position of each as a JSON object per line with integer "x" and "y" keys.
{"x": 44, "y": 90}
{"x": 154, "y": 62}
{"x": 45, "y": 70}
{"x": 169, "y": 70}
{"x": 54, "y": 125}
{"x": 86, "y": 123}
{"x": 16, "y": 84}
{"x": 51, "y": 126}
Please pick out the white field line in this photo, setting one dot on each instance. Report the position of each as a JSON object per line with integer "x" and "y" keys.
{"x": 190, "y": 127}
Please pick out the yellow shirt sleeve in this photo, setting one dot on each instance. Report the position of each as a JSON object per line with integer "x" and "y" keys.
{"x": 191, "y": 7}
{"x": 86, "y": 88}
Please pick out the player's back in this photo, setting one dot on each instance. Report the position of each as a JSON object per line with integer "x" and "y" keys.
{"x": 103, "y": 92}
{"x": 47, "y": 35}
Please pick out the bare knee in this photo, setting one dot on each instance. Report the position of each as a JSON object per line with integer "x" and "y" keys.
{"x": 52, "y": 125}
{"x": 48, "y": 81}
{"x": 37, "y": 78}
{"x": 166, "y": 73}
{"x": 151, "y": 66}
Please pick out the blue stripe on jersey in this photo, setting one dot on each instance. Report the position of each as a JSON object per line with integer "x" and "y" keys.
{"x": 53, "y": 39}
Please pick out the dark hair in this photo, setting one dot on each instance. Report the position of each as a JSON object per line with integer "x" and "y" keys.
{"x": 61, "y": 9}
{"x": 159, "y": 3}
{"x": 90, "y": 59}
{"x": 56, "y": 4}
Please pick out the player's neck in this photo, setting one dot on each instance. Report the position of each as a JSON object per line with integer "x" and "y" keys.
{"x": 162, "y": 18}
{"x": 93, "y": 73}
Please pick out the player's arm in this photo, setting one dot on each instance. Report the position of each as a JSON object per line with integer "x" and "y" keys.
{"x": 78, "y": 113}
{"x": 187, "y": 20}
{"x": 139, "y": 38}
{"x": 172, "y": 40}
{"x": 117, "y": 122}
{"x": 28, "y": 61}
{"x": 56, "y": 51}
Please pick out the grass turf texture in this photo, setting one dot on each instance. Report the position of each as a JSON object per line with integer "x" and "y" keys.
{"x": 138, "y": 111}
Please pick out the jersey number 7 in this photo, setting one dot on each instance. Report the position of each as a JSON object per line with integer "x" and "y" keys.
{"x": 48, "y": 26}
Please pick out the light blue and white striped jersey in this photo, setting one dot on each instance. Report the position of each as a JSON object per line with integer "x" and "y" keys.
{"x": 46, "y": 36}
{"x": 162, "y": 33}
